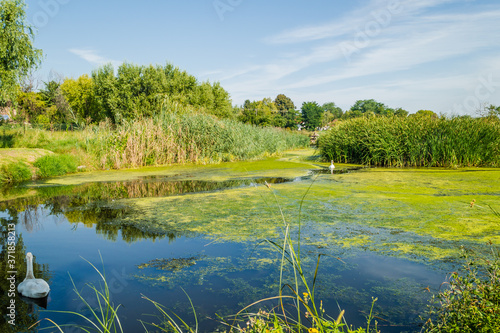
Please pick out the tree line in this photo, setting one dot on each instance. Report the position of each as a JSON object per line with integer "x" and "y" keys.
{"x": 132, "y": 92}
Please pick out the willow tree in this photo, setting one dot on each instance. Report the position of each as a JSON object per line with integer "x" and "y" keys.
{"x": 17, "y": 54}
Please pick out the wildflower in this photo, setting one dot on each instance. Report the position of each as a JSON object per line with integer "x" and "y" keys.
{"x": 313, "y": 330}
{"x": 305, "y": 294}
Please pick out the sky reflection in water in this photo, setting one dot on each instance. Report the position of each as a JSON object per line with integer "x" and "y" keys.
{"x": 220, "y": 277}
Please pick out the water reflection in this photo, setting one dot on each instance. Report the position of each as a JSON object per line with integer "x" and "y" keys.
{"x": 13, "y": 263}
{"x": 338, "y": 171}
{"x": 99, "y": 205}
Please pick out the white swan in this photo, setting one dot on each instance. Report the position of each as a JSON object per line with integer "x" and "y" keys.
{"x": 31, "y": 287}
{"x": 331, "y": 167}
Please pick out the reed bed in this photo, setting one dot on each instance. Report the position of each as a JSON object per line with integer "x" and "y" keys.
{"x": 414, "y": 142}
{"x": 174, "y": 137}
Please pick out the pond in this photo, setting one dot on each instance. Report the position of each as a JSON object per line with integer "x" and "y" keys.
{"x": 198, "y": 234}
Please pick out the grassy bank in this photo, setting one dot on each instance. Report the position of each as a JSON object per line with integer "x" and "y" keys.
{"x": 414, "y": 141}
{"x": 167, "y": 138}
{"x": 180, "y": 138}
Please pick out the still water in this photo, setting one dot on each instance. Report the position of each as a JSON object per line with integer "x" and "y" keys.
{"x": 135, "y": 232}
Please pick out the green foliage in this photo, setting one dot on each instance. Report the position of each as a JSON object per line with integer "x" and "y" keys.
{"x": 30, "y": 106}
{"x": 141, "y": 91}
{"x": 471, "y": 302}
{"x": 311, "y": 115}
{"x": 49, "y": 92}
{"x": 278, "y": 113}
{"x": 369, "y": 105}
{"x": 401, "y": 112}
{"x": 79, "y": 95}
{"x": 14, "y": 172}
{"x": 414, "y": 141}
{"x": 425, "y": 113}
{"x": 105, "y": 94}
{"x": 370, "y": 108}
{"x": 101, "y": 318}
{"x": 179, "y": 136}
{"x": 283, "y": 103}
{"x": 55, "y": 165}
{"x": 17, "y": 54}
{"x": 262, "y": 113}
{"x": 491, "y": 111}
{"x": 331, "y": 113}
{"x": 287, "y": 117}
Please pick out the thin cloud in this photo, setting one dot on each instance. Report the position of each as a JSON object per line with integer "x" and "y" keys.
{"x": 375, "y": 10}
{"x": 94, "y": 58}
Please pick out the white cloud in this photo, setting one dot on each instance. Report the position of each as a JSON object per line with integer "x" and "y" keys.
{"x": 413, "y": 47}
{"x": 383, "y": 11}
{"x": 94, "y": 58}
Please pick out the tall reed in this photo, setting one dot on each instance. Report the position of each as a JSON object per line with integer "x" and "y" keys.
{"x": 414, "y": 141}
{"x": 180, "y": 137}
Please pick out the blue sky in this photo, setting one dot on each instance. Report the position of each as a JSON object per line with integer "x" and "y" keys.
{"x": 442, "y": 55}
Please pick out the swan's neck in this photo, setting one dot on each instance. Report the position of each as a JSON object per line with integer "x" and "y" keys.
{"x": 29, "y": 271}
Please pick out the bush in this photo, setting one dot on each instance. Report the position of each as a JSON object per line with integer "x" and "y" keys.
{"x": 414, "y": 141}
{"x": 55, "y": 165}
{"x": 14, "y": 172}
{"x": 472, "y": 301}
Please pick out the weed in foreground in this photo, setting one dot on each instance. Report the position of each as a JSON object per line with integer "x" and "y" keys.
{"x": 305, "y": 304}
{"x": 103, "y": 318}
{"x": 471, "y": 300}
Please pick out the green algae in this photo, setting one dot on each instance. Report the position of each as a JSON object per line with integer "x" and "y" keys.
{"x": 423, "y": 213}
{"x": 172, "y": 264}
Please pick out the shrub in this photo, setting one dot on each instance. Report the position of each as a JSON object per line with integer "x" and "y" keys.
{"x": 14, "y": 172}
{"x": 414, "y": 141}
{"x": 471, "y": 303}
{"x": 55, "y": 165}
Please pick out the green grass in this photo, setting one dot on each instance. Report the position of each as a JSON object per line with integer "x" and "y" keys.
{"x": 172, "y": 136}
{"x": 414, "y": 141}
{"x": 55, "y": 165}
{"x": 14, "y": 172}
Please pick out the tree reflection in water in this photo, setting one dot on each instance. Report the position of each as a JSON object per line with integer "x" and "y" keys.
{"x": 101, "y": 204}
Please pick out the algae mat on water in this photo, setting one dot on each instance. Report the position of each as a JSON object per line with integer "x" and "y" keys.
{"x": 421, "y": 213}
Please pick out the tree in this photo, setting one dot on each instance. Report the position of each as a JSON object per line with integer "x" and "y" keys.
{"x": 261, "y": 113}
{"x": 289, "y": 116}
{"x": 425, "y": 113}
{"x": 367, "y": 105}
{"x": 141, "y": 91}
{"x": 79, "y": 94}
{"x": 492, "y": 111}
{"x": 49, "y": 93}
{"x": 17, "y": 54}
{"x": 311, "y": 115}
{"x": 331, "y": 113}
{"x": 30, "y": 106}
{"x": 400, "y": 112}
{"x": 283, "y": 104}
{"x": 105, "y": 94}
